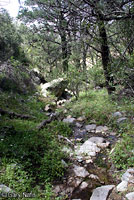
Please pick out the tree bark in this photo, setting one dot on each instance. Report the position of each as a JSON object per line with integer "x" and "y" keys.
{"x": 105, "y": 53}
{"x": 64, "y": 46}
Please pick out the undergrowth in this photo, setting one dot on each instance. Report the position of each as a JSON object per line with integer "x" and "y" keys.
{"x": 30, "y": 159}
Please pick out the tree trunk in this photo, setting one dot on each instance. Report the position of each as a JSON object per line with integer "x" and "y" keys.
{"x": 105, "y": 55}
{"x": 64, "y": 46}
{"x": 64, "y": 52}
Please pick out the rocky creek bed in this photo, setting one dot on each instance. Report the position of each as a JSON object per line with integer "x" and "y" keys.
{"x": 90, "y": 173}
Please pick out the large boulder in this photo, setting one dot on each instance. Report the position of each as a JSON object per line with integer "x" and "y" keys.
{"x": 55, "y": 87}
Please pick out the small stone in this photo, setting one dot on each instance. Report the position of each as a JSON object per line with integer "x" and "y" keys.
{"x": 83, "y": 185}
{"x": 78, "y": 125}
{"x": 122, "y": 186}
{"x": 117, "y": 114}
{"x": 79, "y": 158}
{"x": 102, "y": 193}
{"x": 80, "y": 171}
{"x": 69, "y": 120}
{"x": 80, "y": 119}
{"x": 101, "y": 129}
{"x": 95, "y": 177}
{"x": 91, "y": 127}
{"x": 130, "y": 196}
{"x": 121, "y": 120}
{"x": 113, "y": 133}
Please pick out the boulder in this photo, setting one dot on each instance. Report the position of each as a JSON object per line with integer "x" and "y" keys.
{"x": 55, "y": 87}
{"x": 88, "y": 148}
{"x": 80, "y": 171}
{"x": 130, "y": 196}
{"x": 122, "y": 186}
{"x": 102, "y": 193}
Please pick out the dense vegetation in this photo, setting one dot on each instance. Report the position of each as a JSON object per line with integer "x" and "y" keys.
{"x": 88, "y": 43}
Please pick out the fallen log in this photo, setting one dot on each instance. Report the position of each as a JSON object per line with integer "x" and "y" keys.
{"x": 54, "y": 116}
{"x": 14, "y": 115}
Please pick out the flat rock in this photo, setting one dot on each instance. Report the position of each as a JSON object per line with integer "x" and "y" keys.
{"x": 80, "y": 171}
{"x": 102, "y": 193}
{"x": 117, "y": 114}
{"x": 130, "y": 196}
{"x": 101, "y": 129}
{"x": 121, "y": 120}
{"x": 90, "y": 127}
{"x": 88, "y": 148}
{"x": 122, "y": 186}
{"x": 128, "y": 176}
{"x": 70, "y": 120}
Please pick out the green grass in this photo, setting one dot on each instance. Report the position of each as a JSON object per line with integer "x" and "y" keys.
{"x": 30, "y": 159}
{"x": 96, "y": 105}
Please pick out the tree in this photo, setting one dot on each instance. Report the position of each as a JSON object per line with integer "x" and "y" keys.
{"x": 9, "y": 37}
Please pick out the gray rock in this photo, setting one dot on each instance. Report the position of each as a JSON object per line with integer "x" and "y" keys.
{"x": 83, "y": 185}
{"x": 100, "y": 142}
{"x": 101, "y": 129}
{"x": 80, "y": 133}
{"x": 95, "y": 177}
{"x": 80, "y": 171}
{"x": 130, "y": 196}
{"x": 5, "y": 189}
{"x": 117, "y": 114}
{"x": 121, "y": 120}
{"x": 128, "y": 176}
{"x": 91, "y": 127}
{"x": 70, "y": 120}
{"x": 97, "y": 140}
{"x": 78, "y": 125}
{"x": 88, "y": 148}
{"x": 102, "y": 193}
{"x": 122, "y": 186}
{"x": 80, "y": 119}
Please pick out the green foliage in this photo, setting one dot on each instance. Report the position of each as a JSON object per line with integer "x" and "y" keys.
{"x": 60, "y": 128}
{"x": 95, "y": 105}
{"x": 29, "y": 157}
{"x": 9, "y": 37}
{"x": 123, "y": 155}
{"x": 96, "y": 75}
{"x": 75, "y": 78}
